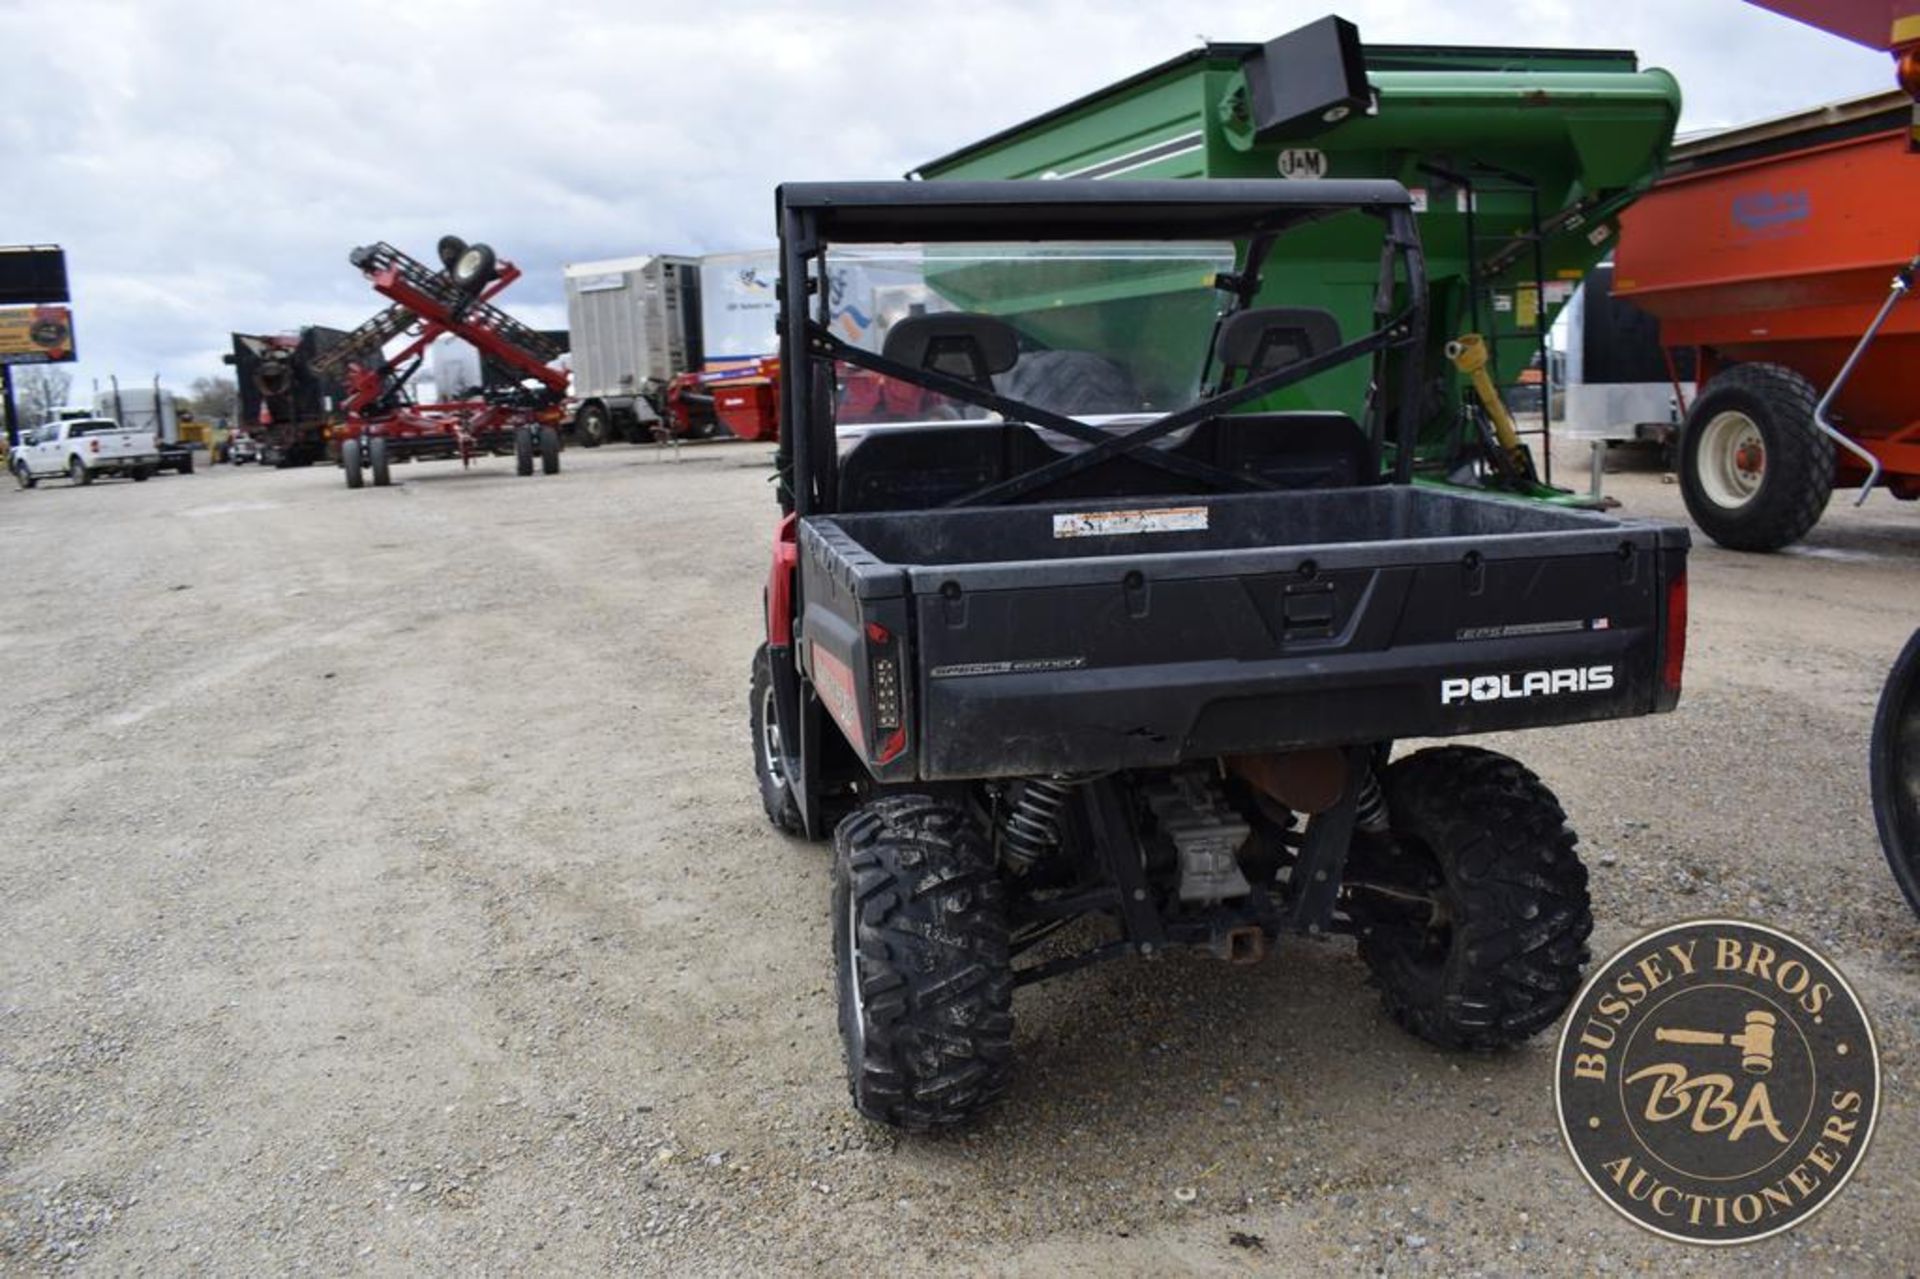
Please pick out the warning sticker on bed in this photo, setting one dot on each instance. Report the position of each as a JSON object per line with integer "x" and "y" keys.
{"x": 1166, "y": 519}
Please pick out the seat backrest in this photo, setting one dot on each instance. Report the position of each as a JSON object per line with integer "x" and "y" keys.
{"x": 961, "y": 344}
{"x": 1256, "y": 342}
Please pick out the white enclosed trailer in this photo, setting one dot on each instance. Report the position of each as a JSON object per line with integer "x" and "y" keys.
{"x": 1619, "y": 386}
{"x": 635, "y": 323}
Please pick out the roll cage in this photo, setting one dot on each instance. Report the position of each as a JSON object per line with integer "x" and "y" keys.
{"x": 1252, "y": 213}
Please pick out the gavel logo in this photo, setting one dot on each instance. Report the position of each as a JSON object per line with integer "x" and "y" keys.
{"x": 1755, "y": 1042}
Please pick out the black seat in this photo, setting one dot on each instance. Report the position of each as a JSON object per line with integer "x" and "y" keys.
{"x": 961, "y": 344}
{"x": 1268, "y": 338}
{"x": 926, "y": 466}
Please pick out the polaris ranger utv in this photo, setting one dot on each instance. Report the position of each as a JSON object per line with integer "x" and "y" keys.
{"x": 1091, "y": 628}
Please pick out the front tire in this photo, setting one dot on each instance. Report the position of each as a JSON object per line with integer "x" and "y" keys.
{"x": 922, "y": 970}
{"x": 523, "y": 450}
{"x": 377, "y": 455}
{"x": 1755, "y": 471}
{"x": 549, "y": 451}
{"x": 769, "y": 757}
{"x": 1502, "y": 955}
{"x": 1071, "y": 382}
{"x": 23, "y": 475}
{"x": 77, "y": 472}
{"x": 350, "y": 463}
{"x": 592, "y": 427}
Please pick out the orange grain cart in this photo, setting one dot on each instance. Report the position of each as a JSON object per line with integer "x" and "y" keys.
{"x": 1770, "y": 251}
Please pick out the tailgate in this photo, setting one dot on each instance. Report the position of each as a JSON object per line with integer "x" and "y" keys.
{"x": 1114, "y": 660}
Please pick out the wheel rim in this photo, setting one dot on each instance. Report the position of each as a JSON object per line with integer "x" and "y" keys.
{"x": 1732, "y": 459}
{"x": 770, "y": 739}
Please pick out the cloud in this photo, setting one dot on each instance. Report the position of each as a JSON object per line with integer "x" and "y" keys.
{"x": 208, "y": 166}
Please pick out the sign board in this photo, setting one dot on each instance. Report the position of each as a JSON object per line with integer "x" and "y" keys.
{"x": 737, "y": 304}
{"x": 31, "y": 274}
{"x": 36, "y": 335}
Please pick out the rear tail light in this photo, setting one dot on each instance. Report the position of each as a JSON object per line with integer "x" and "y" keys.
{"x": 1675, "y": 657}
{"x": 883, "y": 682}
{"x": 93, "y": 446}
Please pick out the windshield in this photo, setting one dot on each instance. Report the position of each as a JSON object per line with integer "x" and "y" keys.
{"x": 1090, "y": 330}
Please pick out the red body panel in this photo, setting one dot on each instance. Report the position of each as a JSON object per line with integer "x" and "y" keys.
{"x": 1786, "y": 259}
{"x": 786, "y": 562}
{"x": 750, "y": 409}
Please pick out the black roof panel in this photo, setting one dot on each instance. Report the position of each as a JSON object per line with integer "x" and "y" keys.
{"x": 878, "y": 212}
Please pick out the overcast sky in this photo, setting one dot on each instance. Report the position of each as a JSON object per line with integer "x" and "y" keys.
{"x": 208, "y": 165}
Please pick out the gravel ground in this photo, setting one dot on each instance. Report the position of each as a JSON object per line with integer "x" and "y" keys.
{"x": 385, "y": 890}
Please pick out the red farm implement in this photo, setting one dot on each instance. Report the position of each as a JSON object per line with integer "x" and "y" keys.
{"x": 383, "y": 423}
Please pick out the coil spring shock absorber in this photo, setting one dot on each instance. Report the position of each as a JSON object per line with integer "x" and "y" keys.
{"x": 1370, "y": 806}
{"x": 1030, "y": 829}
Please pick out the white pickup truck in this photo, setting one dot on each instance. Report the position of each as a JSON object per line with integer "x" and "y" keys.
{"x": 81, "y": 449}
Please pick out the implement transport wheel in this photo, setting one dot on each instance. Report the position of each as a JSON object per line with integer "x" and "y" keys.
{"x": 592, "y": 427}
{"x": 549, "y": 451}
{"x": 921, "y": 966}
{"x": 1895, "y": 755}
{"x": 523, "y": 450}
{"x": 350, "y": 463}
{"x": 1500, "y": 957}
{"x": 769, "y": 759}
{"x": 23, "y": 476}
{"x": 77, "y": 472}
{"x": 1754, "y": 469}
{"x": 377, "y": 455}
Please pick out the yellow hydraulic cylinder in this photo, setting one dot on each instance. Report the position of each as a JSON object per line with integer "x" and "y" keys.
{"x": 1469, "y": 354}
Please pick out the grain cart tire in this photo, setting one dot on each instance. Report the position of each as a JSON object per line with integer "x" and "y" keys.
{"x": 769, "y": 758}
{"x": 921, "y": 963}
{"x": 1894, "y": 753}
{"x": 592, "y": 426}
{"x": 1501, "y": 957}
{"x": 377, "y": 457}
{"x": 1754, "y": 469}
{"x": 549, "y": 451}
{"x": 523, "y": 450}
{"x": 1071, "y": 382}
{"x": 23, "y": 475}
{"x": 77, "y": 472}
{"x": 350, "y": 463}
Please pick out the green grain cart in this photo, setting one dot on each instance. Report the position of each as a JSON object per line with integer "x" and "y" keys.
{"x": 1520, "y": 161}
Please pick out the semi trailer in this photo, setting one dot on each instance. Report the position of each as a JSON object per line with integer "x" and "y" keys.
{"x": 673, "y": 344}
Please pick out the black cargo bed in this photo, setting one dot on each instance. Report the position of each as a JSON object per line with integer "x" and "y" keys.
{"x": 1131, "y": 633}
